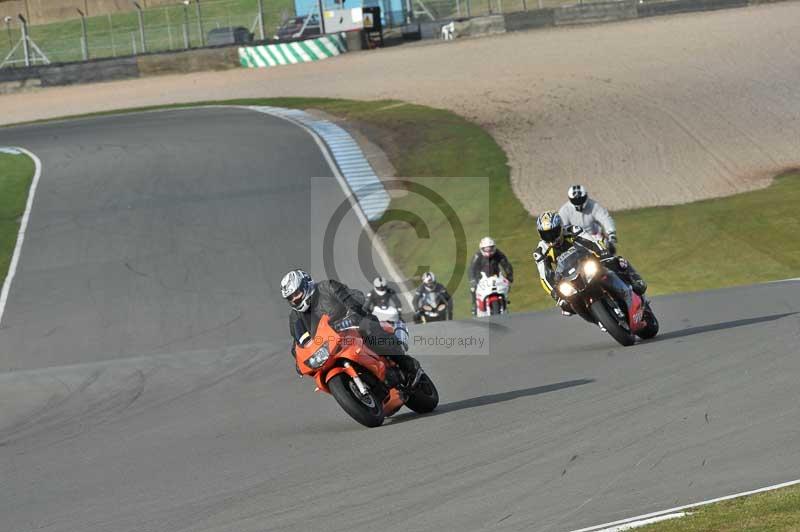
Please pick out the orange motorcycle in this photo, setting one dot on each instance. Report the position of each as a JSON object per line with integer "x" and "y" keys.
{"x": 367, "y": 386}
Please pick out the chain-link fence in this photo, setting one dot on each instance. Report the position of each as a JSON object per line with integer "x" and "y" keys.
{"x": 427, "y": 10}
{"x": 190, "y": 24}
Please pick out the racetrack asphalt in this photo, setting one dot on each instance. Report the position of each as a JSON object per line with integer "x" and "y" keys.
{"x": 146, "y": 383}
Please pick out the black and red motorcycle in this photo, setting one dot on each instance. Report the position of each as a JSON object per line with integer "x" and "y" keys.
{"x": 594, "y": 290}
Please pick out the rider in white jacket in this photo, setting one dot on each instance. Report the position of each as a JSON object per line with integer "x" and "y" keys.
{"x": 589, "y": 215}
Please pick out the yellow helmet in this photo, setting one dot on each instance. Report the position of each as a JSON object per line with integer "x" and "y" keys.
{"x": 550, "y": 226}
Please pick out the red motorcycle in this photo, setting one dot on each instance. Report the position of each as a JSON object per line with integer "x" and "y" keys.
{"x": 367, "y": 386}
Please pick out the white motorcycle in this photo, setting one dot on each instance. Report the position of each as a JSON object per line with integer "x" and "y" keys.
{"x": 388, "y": 313}
{"x": 391, "y": 320}
{"x": 491, "y": 295}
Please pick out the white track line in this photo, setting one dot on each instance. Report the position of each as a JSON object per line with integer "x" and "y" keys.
{"x": 606, "y": 526}
{"x": 376, "y": 242}
{"x": 645, "y": 522}
{"x": 12, "y": 268}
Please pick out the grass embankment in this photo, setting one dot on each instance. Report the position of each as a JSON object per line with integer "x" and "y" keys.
{"x": 775, "y": 511}
{"x": 741, "y": 239}
{"x": 114, "y": 35}
{"x": 16, "y": 173}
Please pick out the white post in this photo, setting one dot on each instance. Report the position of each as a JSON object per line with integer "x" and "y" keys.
{"x": 141, "y": 26}
{"x": 26, "y": 46}
{"x": 111, "y": 32}
{"x": 169, "y": 27}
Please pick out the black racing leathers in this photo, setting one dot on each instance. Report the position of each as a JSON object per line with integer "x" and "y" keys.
{"x": 338, "y": 302}
{"x": 490, "y": 266}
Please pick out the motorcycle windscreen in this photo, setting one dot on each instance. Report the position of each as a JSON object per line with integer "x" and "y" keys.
{"x": 568, "y": 262}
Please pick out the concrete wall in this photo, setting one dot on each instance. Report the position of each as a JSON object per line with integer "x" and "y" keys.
{"x": 599, "y": 12}
{"x": 480, "y": 26}
{"x": 652, "y": 9}
{"x": 528, "y": 20}
{"x": 14, "y": 79}
{"x": 72, "y": 73}
{"x": 188, "y": 61}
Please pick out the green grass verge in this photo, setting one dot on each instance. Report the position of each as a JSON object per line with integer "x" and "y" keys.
{"x": 113, "y": 35}
{"x": 737, "y": 240}
{"x": 16, "y": 173}
{"x": 775, "y": 511}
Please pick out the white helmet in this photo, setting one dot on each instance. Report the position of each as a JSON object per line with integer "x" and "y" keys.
{"x": 297, "y": 288}
{"x": 380, "y": 285}
{"x": 428, "y": 280}
{"x": 487, "y": 246}
{"x": 577, "y": 196}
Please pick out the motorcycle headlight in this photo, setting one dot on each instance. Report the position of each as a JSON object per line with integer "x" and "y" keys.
{"x": 590, "y": 268}
{"x": 319, "y": 357}
{"x": 566, "y": 289}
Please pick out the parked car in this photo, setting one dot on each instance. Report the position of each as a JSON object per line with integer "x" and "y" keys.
{"x": 298, "y": 27}
{"x": 222, "y": 36}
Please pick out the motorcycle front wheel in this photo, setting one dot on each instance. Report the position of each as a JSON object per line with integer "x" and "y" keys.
{"x": 365, "y": 409}
{"x": 425, "y": 398}
{"x": 496, "y": 307}
{"x": 612, "y": 324}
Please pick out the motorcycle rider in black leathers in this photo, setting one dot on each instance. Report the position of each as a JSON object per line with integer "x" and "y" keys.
{"x": 382, "y": 296}
{"x": 429, "y": 285}
{"x": 489, "y": 260}
{"x": 344, "y": 306}
{"x": 556, "y": 239}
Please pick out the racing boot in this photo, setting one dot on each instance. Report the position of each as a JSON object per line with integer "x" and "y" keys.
{"x": 632, "y": 276}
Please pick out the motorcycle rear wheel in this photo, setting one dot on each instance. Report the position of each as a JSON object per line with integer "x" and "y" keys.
{"x": 612, "y": 325}
{"x": 425, "y": 398}
{"x": 367, "y": 410}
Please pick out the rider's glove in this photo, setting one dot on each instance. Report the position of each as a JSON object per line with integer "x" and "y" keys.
{"x": 612, "y": 238}
{"x": 347, "y": 322}
{"x": 297, "y": 369}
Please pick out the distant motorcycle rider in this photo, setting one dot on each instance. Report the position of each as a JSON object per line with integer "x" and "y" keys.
{"x": 430, "y": 285}
{"x": 556, "y": 239}
{"x": 489, "y": 260}
{"x": 589, "y": 215}
{"x": 382, "y": 296}
{"x": 310, "y": 300}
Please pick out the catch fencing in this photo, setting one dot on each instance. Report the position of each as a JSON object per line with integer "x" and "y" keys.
{"x": 142, "y": 30}
{"x": 442, "y": 10}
